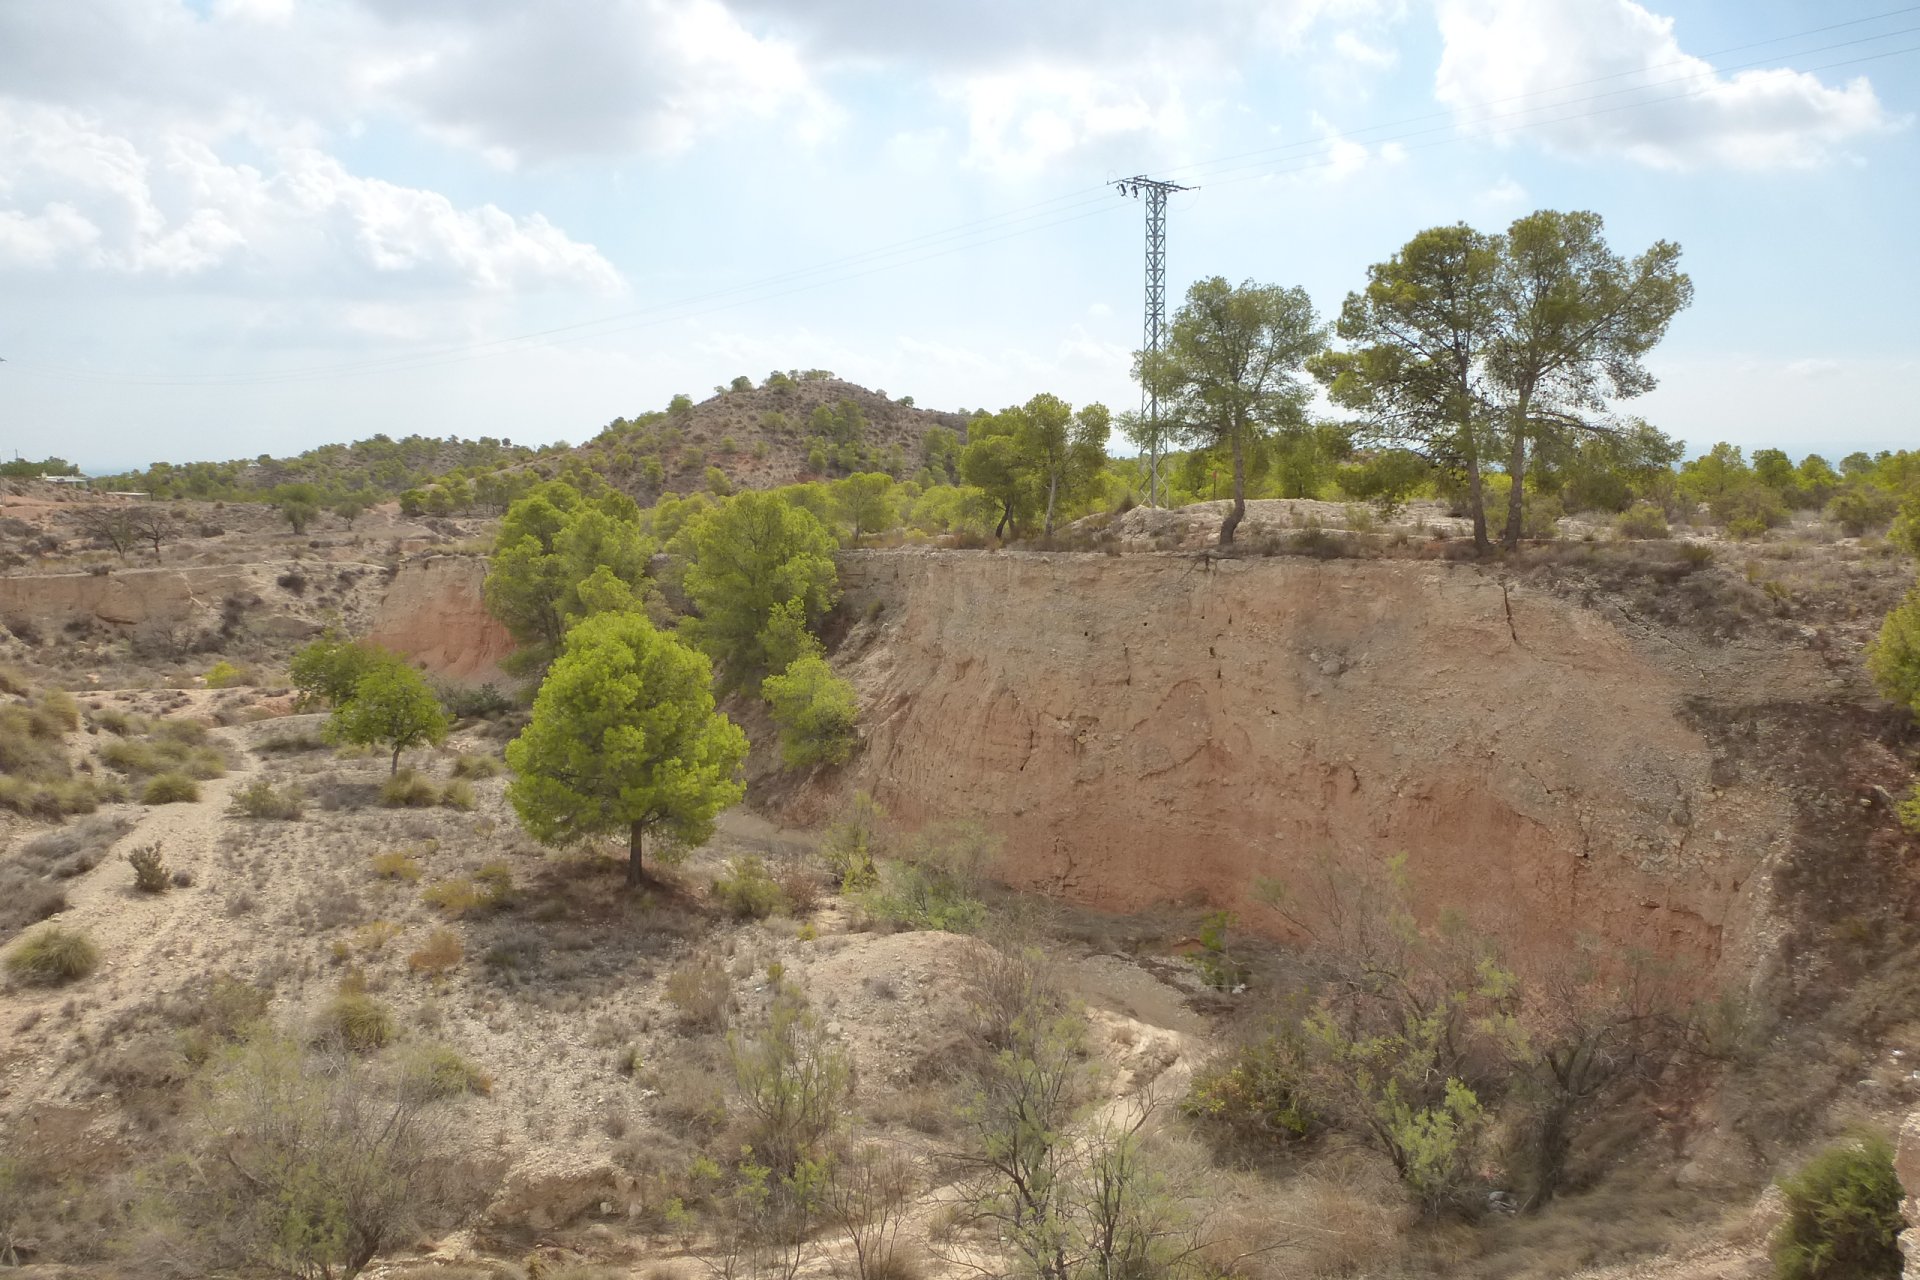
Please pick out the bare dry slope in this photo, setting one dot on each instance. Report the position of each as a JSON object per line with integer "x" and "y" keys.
{"x": 1148, "y": 729}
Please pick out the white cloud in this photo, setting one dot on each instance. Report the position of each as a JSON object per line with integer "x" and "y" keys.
{"x": 1501, "y": 59}
{"x": 1020, "y": 120}
{"x": 1504, "y": 194}
{"x": 77, "y": 194}
{"x": 532, "y": 83}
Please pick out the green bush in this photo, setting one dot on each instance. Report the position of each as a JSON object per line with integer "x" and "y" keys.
{"x": 1843, "y": 1214}
{"x": 51, "y": 955}
{"x": 438, "y": 1071}
{"x": 1256, "y": 1089}
{"x": 409, "y": 790}
{"x": 1861, "y": 507}
{"x": 150, "y": 873}
{"x": 477, "y": 766}
{"x": 1748, "y": 510}
{"x": 170, "y": 788}
{"x": 458, "y": 794}
{"x": 261, "y": 799}
{"x": 910, "y": 896}
{"x": 814, "y": 710}
{"x": 747, "y": 890}
{"x": 357, "y": 1021}
{"x": 1642, "y": 520}
{"x": 226, "y": 675}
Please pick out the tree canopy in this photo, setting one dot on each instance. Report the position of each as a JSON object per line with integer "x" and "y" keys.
{"x": 624, "y": 738}
{"x": 560, "y": 556}
{"x": 1229, "y": 372}
{"x": 745, "y": 559}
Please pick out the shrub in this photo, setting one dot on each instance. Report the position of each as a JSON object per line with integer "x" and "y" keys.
{"x": 409, "y": 790}
{"x": 910, "y": 896}
{"x": 150, "y": 874}
{"x": 701, "y": 992}
{"x": 1861, "y": 507}
{"x": 814, "y": 710}
{"x": 495, "y": 881}
{"x": 396, "y": 864}
{"x": 852, "y": 843}
{"x": 1255, "y": 1089}
{"x": 1748, "y": 510}
{"x": 747, "y": 891}
{"x": 476, "y": 766}
{"x": 304, "y": 1164}
{"x": 226, "y": 675}
{"x": 1843, "y": 1214}
{"x": 452, "y": 897}
{"x": 51, "y": 955}
{"x": 356, "y": 1021}
{"x": 443, "y": 950}
{"x": 457, "y": 794}
{"x": 261, "y": 799}
{"x": 170, "y": 788}
{"x": 437, "y": 1071}
{"x": 792, "y": 1079}
{"x": 1642, "y": 520}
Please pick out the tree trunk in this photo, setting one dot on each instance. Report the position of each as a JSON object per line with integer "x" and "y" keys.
{"x": 1477, "y": 501}
{"x": 635, "y": 843}
{"x": 394, "y": 767}
{"x": 1239, "y": 512}
{"x": 1517, "y": 469}
{"x": 1053, "y": 487}
{"x": 1550, "y": 1152}
{"x": 1006, "y": 514}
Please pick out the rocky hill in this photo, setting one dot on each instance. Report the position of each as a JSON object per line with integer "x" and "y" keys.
{"x": 786, "y": 430}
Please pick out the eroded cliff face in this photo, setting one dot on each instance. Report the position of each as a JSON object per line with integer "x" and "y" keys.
{"x": 434, "y": 614}
{"x": 1155, "y": 729}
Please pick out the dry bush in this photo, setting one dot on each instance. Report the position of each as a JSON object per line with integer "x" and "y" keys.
{"x": 443, "y": 951}
{"x": 170, "y": 788}
{"x": 453, "y": 897}
{"x": 261, "y": 799}
{"x": 439, "y": 1071}
{"x": 396, "y": 864}
{"x": 150, "y": 874}
{"x": 457, "y": 794}
{"x": 355, "y": 1021}
{"x": 373, "y": 936}
{"x": 701, "y": 993}
{"x": 30, "y": 880}
{"x": 746, "y": 890}
{"x": 311, "y": 1164}
{"x": 409, "y": 790}
{"x": 291, "y": 741}
{"x": 799, "y": 886}
{"x": 476, "y": 766}
{"x": 50, "y": 956}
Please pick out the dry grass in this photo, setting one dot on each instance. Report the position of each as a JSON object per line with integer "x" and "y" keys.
{"x": 51, "y": 956}
{"x": 701, "y": 993}
{"x": 442, "y": 952}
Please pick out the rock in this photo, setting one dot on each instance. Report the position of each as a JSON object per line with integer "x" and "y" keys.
{"x": 552, "y": 1188}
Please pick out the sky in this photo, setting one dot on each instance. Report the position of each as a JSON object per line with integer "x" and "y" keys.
{"x": 235, "y": 227}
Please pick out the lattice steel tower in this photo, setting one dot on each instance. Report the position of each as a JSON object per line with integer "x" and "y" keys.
{"x": 1154, "y": 329}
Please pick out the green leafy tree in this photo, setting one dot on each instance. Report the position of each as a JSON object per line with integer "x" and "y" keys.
{"x": 865, "y": 500}
{"x": 1229, "y": 372}
{"x": 1065, "y": 450}
{"x": 994, "y": 463}
{"x": 391, "y": 706}
{"x": 551, "y": 543}
{"x": 1575, "y": 319}
{"x": 815, "y": 711}
{"x": 624, "y": 739}
{"x": 298, "y": 504}
{"x": 745, "y": 559}
{"x": 328, "y": 669}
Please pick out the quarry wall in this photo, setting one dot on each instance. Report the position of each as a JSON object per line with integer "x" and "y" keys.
{"x": 433, "y": 612}
{"x": 1151, "y": 729}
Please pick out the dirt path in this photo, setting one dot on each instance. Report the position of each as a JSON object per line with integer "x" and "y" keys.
{"x": 147, "y": 942}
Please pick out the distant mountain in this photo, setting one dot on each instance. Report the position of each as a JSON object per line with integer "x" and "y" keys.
{"x": 793, "y": 427}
